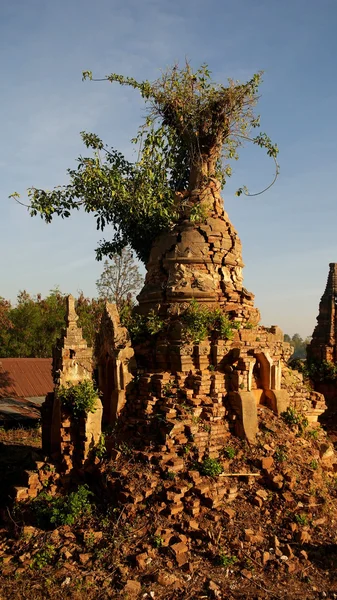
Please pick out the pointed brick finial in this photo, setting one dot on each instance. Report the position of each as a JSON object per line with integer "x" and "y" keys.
{"x": 71, "y": 316}
{"x": 323, "y": 345}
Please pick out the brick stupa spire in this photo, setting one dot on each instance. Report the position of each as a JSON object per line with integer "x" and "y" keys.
{"x": 323, "y": 343}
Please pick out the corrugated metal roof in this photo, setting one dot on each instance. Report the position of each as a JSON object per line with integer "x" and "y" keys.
{"x": 25, "y": 377}
{"x": 19, "y": 409}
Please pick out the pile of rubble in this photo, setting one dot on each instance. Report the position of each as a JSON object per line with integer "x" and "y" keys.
{"x": 265, "y": 526}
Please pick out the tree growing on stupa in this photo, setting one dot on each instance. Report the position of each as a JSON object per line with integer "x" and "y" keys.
{"x": 193, "y": 127}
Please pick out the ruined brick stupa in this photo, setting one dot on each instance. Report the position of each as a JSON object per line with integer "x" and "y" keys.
{"x": 322, "y": 349}
{"x": 166, "y": 393}
{"x": 199, "y": 262}
{"x": 323, "y": 345}
{"x": 221, "y": 381}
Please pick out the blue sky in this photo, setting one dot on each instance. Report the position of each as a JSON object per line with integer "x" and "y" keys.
{"x": 288, "y": 234}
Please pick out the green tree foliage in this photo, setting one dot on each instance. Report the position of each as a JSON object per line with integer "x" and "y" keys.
{"x": 35, "y": 325}
{"x": 5, "y": 322}
{"x": 120, "y": 279}
{"x": 299, "y": 345}
{"x": 89, "y": 312}
{"x": 193, "y": 127}
{"x": 31, "y": 328}
{"x": 320, "y": 371}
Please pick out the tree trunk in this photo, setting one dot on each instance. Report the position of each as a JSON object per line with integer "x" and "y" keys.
{"x": 202, "y": 170}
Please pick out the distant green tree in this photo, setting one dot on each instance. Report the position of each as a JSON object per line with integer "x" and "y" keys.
{"x": 36, "y": 324}
{"x": 30, "y": 329}
{"x": 299, "y": 345}
{"x": 5, "y": 323}
{"x": 89, "y": 312}
{"x": 120, "y": 278}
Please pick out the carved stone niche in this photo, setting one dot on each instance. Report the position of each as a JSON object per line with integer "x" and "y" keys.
{"x": 115, "y": 363}
{"x": 265, "y": 382}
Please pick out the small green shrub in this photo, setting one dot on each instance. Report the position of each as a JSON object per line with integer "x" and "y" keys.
{"x": 195, "y": 322}
{"x": 43, "y": 557}
{"x": 210, "y": 467}
{"x": 226, "y": 560}
{"x": 157, "y": 541}
{"x": 313, "y": 433}
{"x": 219, "y": 324}
{"x": 140, "y": 326}
{"x": 89, "y": 541}
{"x": 125, "y": 449}
{"x": 79, "y": 398}
{"x": 100, "y": 448}
{"x": 249, "y": 325}
{"x": 170, "y": 475}
{"x": 280, "y": 454}
{"x": 62, "y": 510}
{"x": 200, "y": 322}
{"x": 198, "y": 213}
{"x": 294, "y": 418}
{"x": 313, "y": 464}
{"x": 229, "y": 452}
{"x": 301, "y": 519}
{"x": 154, "y": 323}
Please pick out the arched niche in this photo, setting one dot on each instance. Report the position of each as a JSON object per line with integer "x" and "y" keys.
{"x": 261, "y": 378}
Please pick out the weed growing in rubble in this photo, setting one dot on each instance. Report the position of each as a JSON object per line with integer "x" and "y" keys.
{"x": 43, "y": 557}
{"x": 79, "y": 398}
{"x": 157, "y": 541}
{"x": 200, "y": 322}
{"x": 62, "y": 510}
{"x": 138, "y": 326}
{"x": 301, "y": 519}
{"x": 280, "y": 454}
{"x": 100, "y": 448}
{"x": 226, "y": 560}
{"x": 295, "y": 419}
{"x": 210, "y": 467}
{"x": 313, "y": 464}
{"x": 229, "y": 452}
{"x": 313, "y": 433}
{"x": 125, "y": 449}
